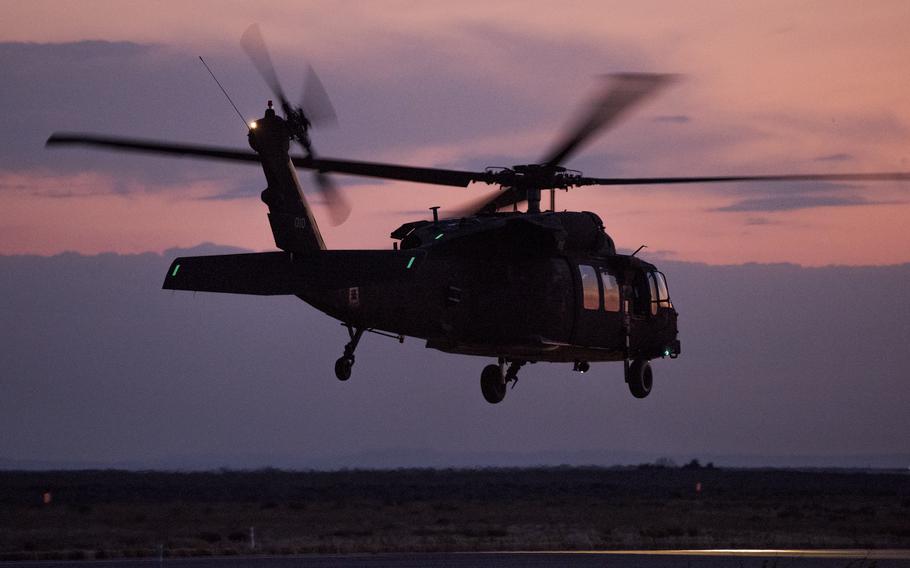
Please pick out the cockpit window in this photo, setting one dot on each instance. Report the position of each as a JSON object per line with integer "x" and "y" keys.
{"x": 662, "y": 291}
{"x": 611, "y": 292}
{"x": 654, "y": 298}
{"x": 589, "y": 289}
{"x": 660, "y": 295}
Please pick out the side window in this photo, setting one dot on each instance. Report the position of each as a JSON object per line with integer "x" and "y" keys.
{"x": 611, "y": 292}
{"x": 589, "y": 290}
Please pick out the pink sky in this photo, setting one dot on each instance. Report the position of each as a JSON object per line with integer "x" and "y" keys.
{"x": 772, "y": 87}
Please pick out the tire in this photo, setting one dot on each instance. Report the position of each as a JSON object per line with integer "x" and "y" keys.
{"x": 343, "y": 368}
{"x": 492, "y": 385}
{"x": 641, "y": 378}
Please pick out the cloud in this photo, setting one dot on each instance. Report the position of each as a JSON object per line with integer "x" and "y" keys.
{"x": 773, "y": 197}
{"x": 840, "y": 157}
{"x": 110, "y": 368}
{"x": 673, "y": 118}
{"x": 653, "y": 255}
{"x": 230, "y": 194}
{"x": 202, "y": 249}
{"x": 792, "y": 202}
{"x": 861, "y": 125}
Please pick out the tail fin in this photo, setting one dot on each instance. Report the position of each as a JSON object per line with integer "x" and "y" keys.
{"x": 291, "y": 219}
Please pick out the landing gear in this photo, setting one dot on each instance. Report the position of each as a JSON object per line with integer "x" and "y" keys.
{"x": 343, "y": 368}
{"x": 494, "y": 378}
{"x": 640, "y": 378}
{"x": 345, "y": 363}
{"x": 492, "y": 384}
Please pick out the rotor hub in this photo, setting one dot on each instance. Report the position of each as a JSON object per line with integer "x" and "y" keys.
{"x": 533, "y": 176}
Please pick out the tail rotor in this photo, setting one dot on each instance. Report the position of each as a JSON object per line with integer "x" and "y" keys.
{"x": 315, "y": 109}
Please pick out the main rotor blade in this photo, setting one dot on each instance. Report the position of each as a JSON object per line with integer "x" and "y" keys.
{"x": 338, "y": 206}
{"x": 151, "y": 147}
{"x": 511, "y": 196}
{"x": 255, "y": 48}
{"x": 436, "y": 176}
{"x": 621, "y": 92}
{"x": 315, "y": 102}
{"x": 873, "y": 176}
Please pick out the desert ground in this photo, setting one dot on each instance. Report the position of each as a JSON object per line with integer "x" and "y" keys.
{"x": 121, "y": 514}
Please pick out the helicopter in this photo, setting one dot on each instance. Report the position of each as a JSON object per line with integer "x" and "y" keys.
{"x": 517, "y": 287}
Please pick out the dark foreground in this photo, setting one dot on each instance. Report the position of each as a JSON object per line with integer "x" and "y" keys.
{"x": 638, "y": 559}
{"x": 115, "y": 514}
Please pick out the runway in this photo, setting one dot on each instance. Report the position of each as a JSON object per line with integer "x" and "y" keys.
{"x": 745, "y": 558}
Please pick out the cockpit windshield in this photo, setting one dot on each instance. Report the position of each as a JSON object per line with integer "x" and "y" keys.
{"x": 660, "y": 295}
{"x": 662, "y": 291}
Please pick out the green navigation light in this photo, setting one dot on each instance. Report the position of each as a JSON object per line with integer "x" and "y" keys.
{"x": 174, "y": 273}
{"x": 411, "y": 262}
{"x": 439, "y": 236}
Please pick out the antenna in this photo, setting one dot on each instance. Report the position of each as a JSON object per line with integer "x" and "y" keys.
{"x": 207, "y": 68}
{"x": 639, "y": 249}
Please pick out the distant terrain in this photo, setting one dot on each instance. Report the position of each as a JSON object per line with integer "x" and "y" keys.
{"x": 108, "y": 514}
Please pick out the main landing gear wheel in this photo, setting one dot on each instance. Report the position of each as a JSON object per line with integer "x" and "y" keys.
{"x": 493, "y": 384}
{"x": 343, "y": 367}
{"x": 494, "y": 378}
{"x": 640, "y": 378}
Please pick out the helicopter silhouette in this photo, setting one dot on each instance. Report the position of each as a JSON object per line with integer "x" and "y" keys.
{"x": 518, "y": 287}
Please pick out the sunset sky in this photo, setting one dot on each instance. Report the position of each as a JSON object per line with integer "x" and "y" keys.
{"x": 771, "y": 87}
{"x": 781, "y": 364}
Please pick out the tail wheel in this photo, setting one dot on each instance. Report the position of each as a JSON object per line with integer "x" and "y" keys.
{"x": 492, "y": 384}
{"x": 641, "y": 378}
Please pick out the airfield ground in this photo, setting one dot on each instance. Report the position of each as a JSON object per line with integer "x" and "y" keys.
{"x": 108, "y": 514}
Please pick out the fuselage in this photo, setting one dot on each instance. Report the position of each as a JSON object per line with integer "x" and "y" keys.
{"x": 543, "y": 306}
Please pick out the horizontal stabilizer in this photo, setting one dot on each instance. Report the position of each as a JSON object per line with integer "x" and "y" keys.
{"x": 263, "y": 274}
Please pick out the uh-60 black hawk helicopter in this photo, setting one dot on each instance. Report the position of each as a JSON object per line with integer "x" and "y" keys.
{"x": 518, "y": 287}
